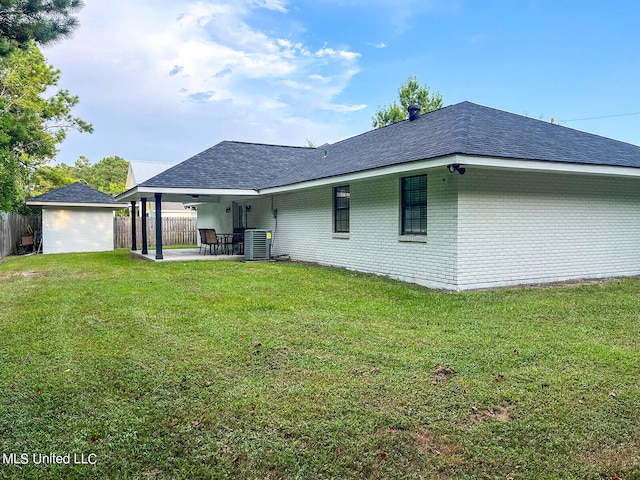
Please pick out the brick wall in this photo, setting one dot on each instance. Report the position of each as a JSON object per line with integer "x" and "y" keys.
{"x": 485, "y": 228}
{"x": 305, "y": 230}
{"x": 526, "y": 227}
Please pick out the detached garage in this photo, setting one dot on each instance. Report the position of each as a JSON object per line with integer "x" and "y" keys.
{"x": 76, "y": 218}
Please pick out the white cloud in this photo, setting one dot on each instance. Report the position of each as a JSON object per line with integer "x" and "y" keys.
{"x": 191, "y": 47}
{"x": 276, "y": 5}
{"x": 200, "y": 59}
{"x": 347, "y": 108}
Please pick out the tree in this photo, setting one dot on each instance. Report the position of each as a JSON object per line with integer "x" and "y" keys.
{"x": 109, "y": 175}
{"x": 31, "y": 125}
{"x": 409, "y": 93}
{"x": 42, "y": 21}
{"x": 48, "y": 178}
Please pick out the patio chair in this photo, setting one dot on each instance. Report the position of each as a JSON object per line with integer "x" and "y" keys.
{"x": 238, "y": 240}
{"x": 208, "y": 238}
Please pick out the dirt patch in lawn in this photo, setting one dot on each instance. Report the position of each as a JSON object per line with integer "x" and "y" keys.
{"x": 501, "y": 414}
{"x": 442, "y": 373}
{"x": 428, "y": 443}
{"x": 613, "y": 462}
{"x": 25, "y": 274}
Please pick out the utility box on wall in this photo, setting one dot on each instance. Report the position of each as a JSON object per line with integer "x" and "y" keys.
{"x": 257, "y": 244}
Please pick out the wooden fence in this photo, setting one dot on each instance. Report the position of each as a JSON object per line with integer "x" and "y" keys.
{"x": 12, "y": 227}
{"x": 175, "y": 231}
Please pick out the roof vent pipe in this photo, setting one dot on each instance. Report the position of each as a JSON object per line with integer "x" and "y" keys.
{"x": 414, "y": 112}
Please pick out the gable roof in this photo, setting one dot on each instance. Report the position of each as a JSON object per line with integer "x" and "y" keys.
{"x": 75, "y": 194}
{"x": 464, "y": 128}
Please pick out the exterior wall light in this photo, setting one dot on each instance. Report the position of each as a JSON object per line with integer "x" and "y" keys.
{"x": 454, "y": 167}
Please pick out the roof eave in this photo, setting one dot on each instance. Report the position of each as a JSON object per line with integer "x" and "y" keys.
{"x": 139, "y": 192}
{"x": 463, "y": 159}
{"x": 113, "y": 206}
{"x": 365, "y": 174}
{"x": 549, "y": 166}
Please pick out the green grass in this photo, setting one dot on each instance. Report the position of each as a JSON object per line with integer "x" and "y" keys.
{"x": 281, "y": 370}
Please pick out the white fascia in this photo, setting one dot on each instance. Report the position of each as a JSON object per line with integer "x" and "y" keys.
{"x": 464, "y": 160}
{"x": 113, "y": 206}
{"x": 138, "y": 192}
{"x": 378, "y": 172}
{"x": 536, "y": 165}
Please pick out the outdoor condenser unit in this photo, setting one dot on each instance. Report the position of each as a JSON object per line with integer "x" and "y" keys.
{"x": 257, "y": 244}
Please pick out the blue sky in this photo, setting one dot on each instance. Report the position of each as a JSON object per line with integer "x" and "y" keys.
{"x": 162, "y": 80}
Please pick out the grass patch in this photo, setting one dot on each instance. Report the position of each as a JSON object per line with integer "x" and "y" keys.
{"x": 280, "y": 370}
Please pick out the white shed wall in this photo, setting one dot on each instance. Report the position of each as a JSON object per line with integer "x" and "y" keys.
{"x": 525, "y": 227}
{"x": 69, "y": 230}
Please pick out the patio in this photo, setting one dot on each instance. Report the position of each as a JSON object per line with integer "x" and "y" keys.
{"x": 183, "y": 255}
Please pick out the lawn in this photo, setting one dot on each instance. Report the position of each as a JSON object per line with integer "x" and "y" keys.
{"x": 286, "y": 371}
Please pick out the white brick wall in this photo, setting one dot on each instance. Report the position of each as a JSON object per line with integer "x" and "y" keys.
{"x": 485, "y": 228}
{"x": 305, "y": 230}
{"x": 526, "y": 227}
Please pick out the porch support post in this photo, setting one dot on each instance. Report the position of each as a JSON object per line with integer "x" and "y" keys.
{"x": 158, "y": 226}
{"x": 143, "y": 214}
{"x": 134, "y": 245}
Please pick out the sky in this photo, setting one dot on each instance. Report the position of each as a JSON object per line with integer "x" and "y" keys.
{"x": 162, "y": 80}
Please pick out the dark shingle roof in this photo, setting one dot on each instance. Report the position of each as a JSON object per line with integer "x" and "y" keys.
{"x": 231, "y": 165}
{"x": 74, "y": 193}
{"x": 464, "y": 128}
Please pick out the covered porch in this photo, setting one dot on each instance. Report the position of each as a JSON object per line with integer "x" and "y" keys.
{"x": 234, "y": 203}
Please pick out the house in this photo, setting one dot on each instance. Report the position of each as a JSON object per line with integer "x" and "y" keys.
{"x": 461, "y": 198}
{"x": 76, "y": 218}
{"x": 138, "y": 172}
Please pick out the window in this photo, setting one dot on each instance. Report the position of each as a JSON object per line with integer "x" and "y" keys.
{"x": 414, "y": 205}
{"x": 341, "y": 199}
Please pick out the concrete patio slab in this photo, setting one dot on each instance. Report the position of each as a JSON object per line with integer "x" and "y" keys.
{"x": 184, "y": 255}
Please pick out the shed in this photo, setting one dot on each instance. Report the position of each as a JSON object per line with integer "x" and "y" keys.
{"x": 76, "y": 218}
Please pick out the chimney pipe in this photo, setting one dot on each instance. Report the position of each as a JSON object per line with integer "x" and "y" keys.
{"x": 414, "y": 112}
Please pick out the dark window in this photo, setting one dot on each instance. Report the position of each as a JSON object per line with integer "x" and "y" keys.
{"x": 414, "y": 205}
{"x": 341, "y": 198}
{"x": 239, "y": 220}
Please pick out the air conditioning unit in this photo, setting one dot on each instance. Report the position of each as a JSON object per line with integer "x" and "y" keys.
{"x": 257, "y": 244}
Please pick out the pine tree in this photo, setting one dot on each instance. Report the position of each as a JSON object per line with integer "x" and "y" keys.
{"x": 42, "y": 21}
{"x": 409, "y": 93}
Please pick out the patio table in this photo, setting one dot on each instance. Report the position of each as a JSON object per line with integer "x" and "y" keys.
{"x": 225, "y": 240}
